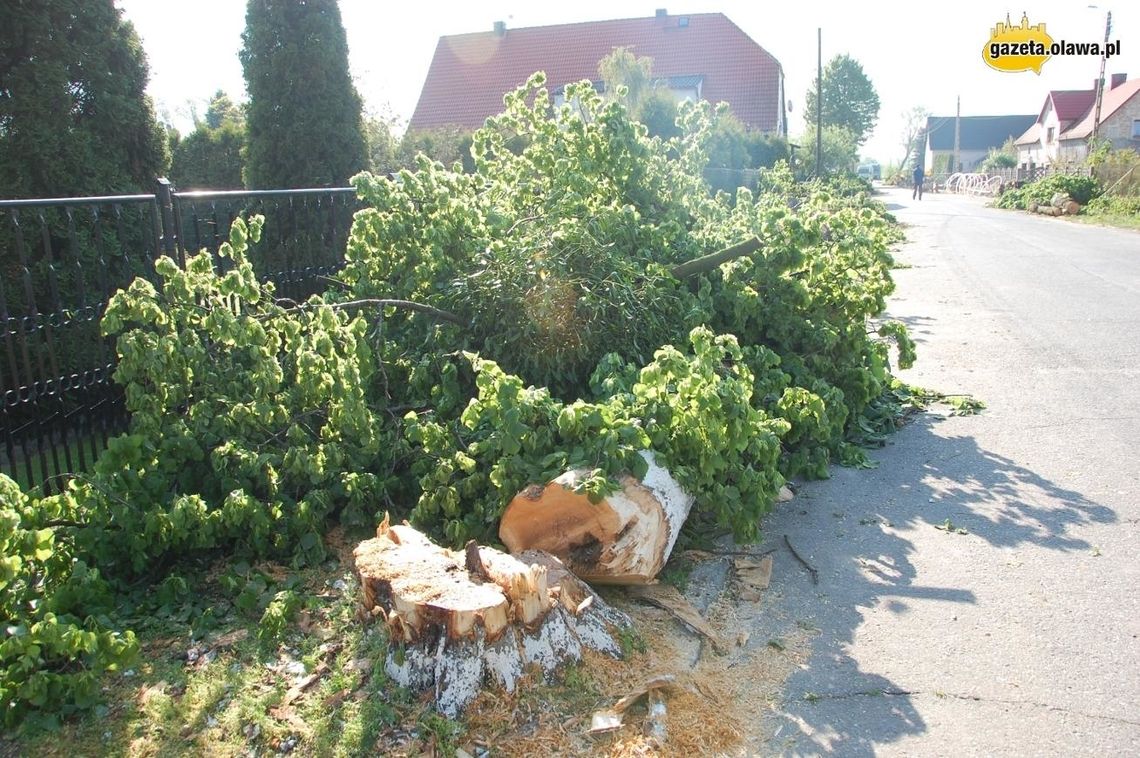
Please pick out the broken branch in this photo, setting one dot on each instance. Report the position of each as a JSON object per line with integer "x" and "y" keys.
{"x": 711, "y": 261}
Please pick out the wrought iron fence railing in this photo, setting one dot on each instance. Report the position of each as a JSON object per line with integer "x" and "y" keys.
{"x": 61, "y": 259}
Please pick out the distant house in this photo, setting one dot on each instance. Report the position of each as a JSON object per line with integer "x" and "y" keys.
{"x": 1039, "y": 144}
{"x": 700, "y": 56}
{"x": 1119, "y": 121}
{"x": 1065, "y": 124}
{"x": 977, "y": 135}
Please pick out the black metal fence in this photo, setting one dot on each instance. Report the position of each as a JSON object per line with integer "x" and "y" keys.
{"x": 61, "y": 259}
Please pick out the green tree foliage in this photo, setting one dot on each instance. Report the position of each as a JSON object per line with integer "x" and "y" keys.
{"x": 914, "y": 123}
{"x": 304, "y": 116}
{"x": 840, "y": 151}
{"x": 734, "y": 150}
{"x": 658, "y": 111}
{"x": 446, "y": 144}
{"x": 74, "y": 116}
{"x": 849, "y": 99}
{"x": 622, "y": 69}
{"x": 1003, "y": 157}
{"x": 54, "y": 640}
{"x": 382, "y": 144}
{"x": 210, "y": 157}
{"x": 570, "y": 342}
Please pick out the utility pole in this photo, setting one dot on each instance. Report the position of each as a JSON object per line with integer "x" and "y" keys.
{"x": 819, "y": 103}
{"x": 1100, "y": 82}
{"x": 957, "y": 138}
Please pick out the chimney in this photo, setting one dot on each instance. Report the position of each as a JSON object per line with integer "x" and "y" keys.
{"x": 500, "y": 28}
{"x": 1117, "y": 80}
{"x": 662, "y": 13}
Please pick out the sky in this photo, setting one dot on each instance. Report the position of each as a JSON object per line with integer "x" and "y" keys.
{"x": 915, "y": 54}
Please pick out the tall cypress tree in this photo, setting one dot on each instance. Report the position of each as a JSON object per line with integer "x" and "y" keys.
{"x": 304, "y": 124}
{"x": 74, "y": 115}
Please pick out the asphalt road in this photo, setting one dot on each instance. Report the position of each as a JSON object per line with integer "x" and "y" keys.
{"x": 1020, "y": 636}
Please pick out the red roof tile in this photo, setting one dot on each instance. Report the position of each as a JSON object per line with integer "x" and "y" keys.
{"x": 470, "y": 73}
{"x": 1112, "y": 101}
{"x": 1071, "y": 104}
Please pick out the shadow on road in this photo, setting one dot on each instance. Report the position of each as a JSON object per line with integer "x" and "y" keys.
{"x": 854, "y": 529}
{"x": 920, "y": 328}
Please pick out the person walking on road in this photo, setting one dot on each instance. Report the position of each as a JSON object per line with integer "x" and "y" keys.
{"x": 919, "y": 176}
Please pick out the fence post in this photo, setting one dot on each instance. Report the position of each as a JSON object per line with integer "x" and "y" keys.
{"x": 164, "y": 195}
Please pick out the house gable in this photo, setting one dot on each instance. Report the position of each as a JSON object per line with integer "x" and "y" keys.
{"x": 470, "y": 73}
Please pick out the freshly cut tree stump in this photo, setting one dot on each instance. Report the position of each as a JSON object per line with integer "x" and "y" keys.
{"x": 624, "y": 539}
{"x": 456, "y": 619}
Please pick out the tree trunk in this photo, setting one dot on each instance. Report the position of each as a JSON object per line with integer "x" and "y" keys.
{"x": 456, "y": 619}
{"x": 624, "y": 539}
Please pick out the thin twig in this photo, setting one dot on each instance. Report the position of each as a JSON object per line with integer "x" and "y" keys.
{"x": 385, "y": 303}
{"x": 521, "y": 221}
{"x": 805, "y": 564}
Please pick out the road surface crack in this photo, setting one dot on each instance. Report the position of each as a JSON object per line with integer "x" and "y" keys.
{"x": 813, "y": 697}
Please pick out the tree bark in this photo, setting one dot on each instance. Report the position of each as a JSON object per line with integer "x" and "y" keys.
{"x": 711, "y": 261}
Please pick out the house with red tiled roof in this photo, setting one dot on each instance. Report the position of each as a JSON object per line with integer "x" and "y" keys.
{"x": 1119, "y": 120}
{"x": 1062, "y": 112}
{"x": 702, "y": 55}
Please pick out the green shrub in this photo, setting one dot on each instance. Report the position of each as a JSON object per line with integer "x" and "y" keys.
{"x": 1113, "y": 205}
{"x": 549, "y": 331}
{"x": 1079, "y": 188}
{"x": 56, "y": 639}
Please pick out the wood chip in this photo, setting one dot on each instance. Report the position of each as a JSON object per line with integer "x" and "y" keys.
{"x": 786, "y": 494}
{"x": 666, "y": 596}
{"x": 230, "y": 639}
{"x": 754, "y": 576}
{"x": 605, "y": 721}
{"x": 334, "y": 700}
{"x": 655, "y": 718}
{"x": 299, "y": 688}
{"x": 610, "y": 719}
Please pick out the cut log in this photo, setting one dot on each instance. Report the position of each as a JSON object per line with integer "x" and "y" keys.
{"x": 458, "y": 619}
{"x": 624, "y": 539}
{"x": 1071, "y": 207}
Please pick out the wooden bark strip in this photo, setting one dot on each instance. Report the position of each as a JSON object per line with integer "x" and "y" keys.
{"x": 755, "y": 576}
{"x": 624, "y": 539}
{"x": 666, "y": 597}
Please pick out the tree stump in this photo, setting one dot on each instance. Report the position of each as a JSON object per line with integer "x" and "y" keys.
{"x": 458, "y": 619}
{"x": 624, "y": 539}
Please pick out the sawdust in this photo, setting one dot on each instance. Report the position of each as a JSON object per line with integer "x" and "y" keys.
{"x": 715, "y": 707}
